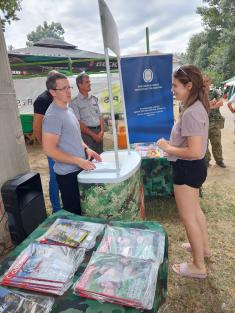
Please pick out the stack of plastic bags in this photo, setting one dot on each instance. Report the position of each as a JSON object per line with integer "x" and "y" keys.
{"x": 15, "y": 301}
{"x": 72, "y": 233}
{"x": 124, "y": 269}
{"x": 44, "y": 268}
{"x": 133, "y": 242}
{"x": 120, "y": 280}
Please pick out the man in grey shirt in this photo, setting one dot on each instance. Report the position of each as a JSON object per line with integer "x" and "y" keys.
{"x": 62, "y": 141}
{"x": 86, "y": 109}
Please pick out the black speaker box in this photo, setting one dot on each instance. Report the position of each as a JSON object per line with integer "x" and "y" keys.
{"x": 24, "y": 203}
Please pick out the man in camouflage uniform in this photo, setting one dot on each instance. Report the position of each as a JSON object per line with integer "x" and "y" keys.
{"x": 216, "y": 123}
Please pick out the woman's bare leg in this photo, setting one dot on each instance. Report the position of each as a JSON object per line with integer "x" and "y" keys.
{"x": 187, "y": 199}
{"x": 203, "y": 225}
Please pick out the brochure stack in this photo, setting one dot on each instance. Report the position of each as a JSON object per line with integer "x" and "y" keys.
{"x": 44, "y": 268}
{"x": 124, "y": 269}
{"x": 72, "y": 233}
{"x": 17, "y": 302}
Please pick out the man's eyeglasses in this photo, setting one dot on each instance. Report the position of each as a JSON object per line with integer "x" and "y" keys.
{"x": 64, "y": 88}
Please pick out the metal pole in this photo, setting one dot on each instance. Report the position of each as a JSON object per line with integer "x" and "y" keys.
{"x": 124, "y": 106}
{"x": 147, "y": 40}
{"x": 70, "y": 66}
{"x": 112, "y": 110}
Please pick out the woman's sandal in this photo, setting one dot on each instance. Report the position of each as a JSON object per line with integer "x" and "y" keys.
{"x": 182, "y": 269}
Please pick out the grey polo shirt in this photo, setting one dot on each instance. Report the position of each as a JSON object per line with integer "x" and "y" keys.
{"x": 63, "y": 122}
{"x": 193, "y": 122}
{"x": 86, "y": 110}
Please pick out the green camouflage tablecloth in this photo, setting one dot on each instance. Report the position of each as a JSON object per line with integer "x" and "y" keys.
{"x": 157, "y": 177}
{"x": 70, "y": 303}
{"x": 120, "y": 201}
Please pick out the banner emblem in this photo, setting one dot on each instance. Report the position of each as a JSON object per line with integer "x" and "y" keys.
{"x": 148, "y": 75}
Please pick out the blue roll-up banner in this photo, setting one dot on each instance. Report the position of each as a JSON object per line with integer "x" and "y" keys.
{"x": 147, "y": 82}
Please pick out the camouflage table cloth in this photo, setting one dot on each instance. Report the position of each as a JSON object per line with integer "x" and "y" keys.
{"x": 157, "y": 177}
{"x": 70, "y": 303}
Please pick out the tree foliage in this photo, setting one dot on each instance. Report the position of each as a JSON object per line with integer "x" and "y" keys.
{"x": 8, "y": 10}
{"x": 213, "y": 49}
{"x": 53, "y": 30}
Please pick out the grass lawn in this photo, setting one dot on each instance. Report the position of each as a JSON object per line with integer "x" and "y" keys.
{"x": 216, "y": 293}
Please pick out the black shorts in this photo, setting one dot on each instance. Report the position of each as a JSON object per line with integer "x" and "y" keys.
{"x": 191, "y": 173}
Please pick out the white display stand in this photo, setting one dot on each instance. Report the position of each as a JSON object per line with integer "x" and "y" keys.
{"x": 129, "y": 164}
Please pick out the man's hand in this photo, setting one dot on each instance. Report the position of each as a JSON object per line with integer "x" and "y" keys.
{"x": 97, "y": 137}
{"x": 85, "y": 164}
{"x": 101, "y": 135}
{"x": 91, "y": 154}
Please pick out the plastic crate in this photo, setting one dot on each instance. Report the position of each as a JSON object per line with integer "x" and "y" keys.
{"x": 27, "y": 123}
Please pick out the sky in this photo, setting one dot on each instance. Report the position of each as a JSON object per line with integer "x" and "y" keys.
{"x": 171, "y": 23}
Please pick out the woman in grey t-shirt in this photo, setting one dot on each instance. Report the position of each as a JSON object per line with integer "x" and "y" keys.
{"x": 186, "y": 151}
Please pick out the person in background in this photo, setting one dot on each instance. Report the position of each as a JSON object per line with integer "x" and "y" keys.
{"x": 231, "y": 106}
{"x": 86, "y": 109}
{"x": 62, "y": 141}
{"x": 40, "y": 105}
{"x": 216, "y": 123}
{"x": 186, "y": 151}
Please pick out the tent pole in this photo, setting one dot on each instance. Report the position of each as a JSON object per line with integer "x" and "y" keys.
{"x": 112, "y": 110}
{"x": 147, "y": 40}
{"x": 70, "y": 66}
{"x": 124, "y": 105}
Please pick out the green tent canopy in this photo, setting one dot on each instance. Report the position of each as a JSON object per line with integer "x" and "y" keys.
{"x": 51, "y": 53}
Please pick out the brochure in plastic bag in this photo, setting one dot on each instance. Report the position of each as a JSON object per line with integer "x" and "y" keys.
{"x": 17, "y": 302}
{"x": 88, "y": 242}
{"x": 44, "y": 268}
{"x": 133, "y": 242}
{"x": 120, "y": 280}
{"x": 66, "y": 232}
{"x": 149, "y": 150}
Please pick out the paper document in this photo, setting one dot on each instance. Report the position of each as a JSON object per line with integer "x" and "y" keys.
{"x": 105, "y": 167}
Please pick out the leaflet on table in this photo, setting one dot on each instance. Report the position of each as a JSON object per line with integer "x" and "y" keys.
{"x": 121, "y": 280}
{"x": 15, "y": 301}
{"x": 92, "y": 229}
{"x": 149, "y": 150}
{"x": 44, "y": 267}
{"x": 133, "y": 242}
{"x": 107, "y": 167}
{"x": 66, "y": 232}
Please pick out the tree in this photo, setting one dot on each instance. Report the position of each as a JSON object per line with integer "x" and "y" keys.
{"x": 218, "y": 14}
{"x": 213, "y": 49}
{"x": 53, "y": 30}
{"x": 9, "y": 9}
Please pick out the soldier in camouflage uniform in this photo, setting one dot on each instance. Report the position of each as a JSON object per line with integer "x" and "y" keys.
{"x": 216, "y": 123}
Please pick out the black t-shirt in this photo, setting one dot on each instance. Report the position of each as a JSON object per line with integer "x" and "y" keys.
{"x": 42, "y": 102}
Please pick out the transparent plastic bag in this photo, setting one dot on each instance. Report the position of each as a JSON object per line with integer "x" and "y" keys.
{"x": 133, "y": 242}
{"x": 121, "y": 280}
{"x": 44, "y": 268}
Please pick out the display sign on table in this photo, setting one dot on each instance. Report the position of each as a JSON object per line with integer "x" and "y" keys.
{"x": 147, "y": 82}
